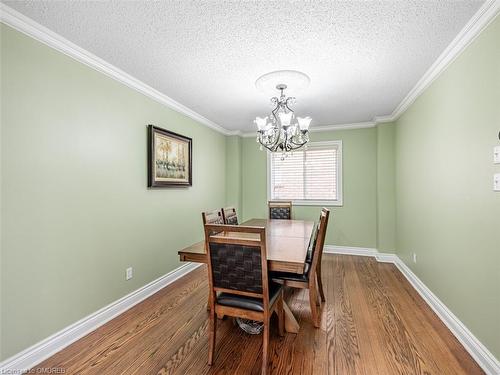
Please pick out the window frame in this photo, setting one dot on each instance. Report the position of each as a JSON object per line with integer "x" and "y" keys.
{"x": 310, "y": 202}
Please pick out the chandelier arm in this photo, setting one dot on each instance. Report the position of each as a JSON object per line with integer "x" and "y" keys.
{"x": 298, "y": 145}
{"x": 275, "y": 110}
{"x": 271, "y": 147}
{"x": 275, "y": 101}
{"x": 278, "y": 138}
{"x": 286, "y": 103}
{"x": 306, "y": 139}
{"x": 274, "y": 113}
{"x": 288, "y": 141}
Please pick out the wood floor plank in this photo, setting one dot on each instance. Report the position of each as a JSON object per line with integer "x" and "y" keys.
{"x": 146, "y": 335}
{"x": 150, "y": 353}
{"x": 424, "y": 321}
{"x": 343, "y": 345}
{"x": 373, "y": 322}
{"x": 402, "y": 352}
{"x": 87, "y": 354}
{"x": 371, "y": 344}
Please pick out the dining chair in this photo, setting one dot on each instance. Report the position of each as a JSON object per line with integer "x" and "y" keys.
{"x": 280, "y": 209}
{"x": 238, "y": 281}
{"x": 229, "y": 216}
{"x": 312, "y": 269}
{"x": 212, "y": 217}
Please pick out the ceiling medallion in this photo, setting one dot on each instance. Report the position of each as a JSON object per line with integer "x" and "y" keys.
{"x": 282, "y": 131}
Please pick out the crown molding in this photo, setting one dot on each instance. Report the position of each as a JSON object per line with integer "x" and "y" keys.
{"x": 33, "y": 29}
{"x": 356, "y": 125}
{"x": 481, "y": 19}
{"x": 326, "y": 128}
{"x": 383, "y": 119}
{"x": 248, "y": 134}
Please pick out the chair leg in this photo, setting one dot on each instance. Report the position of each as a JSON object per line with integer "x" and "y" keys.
{"x": 314, "y": 309}
{"x": 318, "y": 299}
{"x": 281, "y": 316}
{"x": 265, "y": 346}
{"x": 320, "y": 282}
{"x": 212, "y": 326}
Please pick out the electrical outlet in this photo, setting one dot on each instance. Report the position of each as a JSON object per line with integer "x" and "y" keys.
{"x": 414, "y": 258}
{"x": 129, "y": 273}
{"x": 496, "y": 182}
{"x": 496, "y": 155}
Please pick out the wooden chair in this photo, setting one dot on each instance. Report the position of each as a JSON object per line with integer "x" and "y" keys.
{"x": 229, "y": 216}
{"x": 312, "y": 270}
{"x": 280, "y": 210}
{"x": 238, "y": 281}
{"x": 212, "y": 217}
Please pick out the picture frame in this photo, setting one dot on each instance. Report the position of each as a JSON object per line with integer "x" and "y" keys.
{"x": 170, "y": 157}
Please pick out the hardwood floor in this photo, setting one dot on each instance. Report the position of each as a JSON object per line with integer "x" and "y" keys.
{"x": 373, "y": 322}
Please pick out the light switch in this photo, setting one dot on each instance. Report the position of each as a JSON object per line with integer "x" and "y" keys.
{"x": 496, "y": 155}
{"x": 496, "y": 182}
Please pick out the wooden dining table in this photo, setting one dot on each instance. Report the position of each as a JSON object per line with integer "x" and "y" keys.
{"x": 287, "y": 242}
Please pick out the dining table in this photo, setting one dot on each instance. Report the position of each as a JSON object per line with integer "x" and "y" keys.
{"x": 287, "y": 242}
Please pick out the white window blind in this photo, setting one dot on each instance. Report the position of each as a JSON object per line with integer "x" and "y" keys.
{"x": 308, "y": 176}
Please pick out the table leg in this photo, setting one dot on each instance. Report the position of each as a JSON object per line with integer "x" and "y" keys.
{"x": 291, "y": 324}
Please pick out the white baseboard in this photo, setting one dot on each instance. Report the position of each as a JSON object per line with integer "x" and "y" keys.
{"x": 361, "y": 251}
{"x": 386, "y": 257}
{"x": 349, "y": 250}
{"x": 42, "y": 350}
{"x": 476, "y": 349}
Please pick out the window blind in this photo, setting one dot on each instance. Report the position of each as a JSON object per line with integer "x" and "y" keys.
{"x": 310, "y": 174}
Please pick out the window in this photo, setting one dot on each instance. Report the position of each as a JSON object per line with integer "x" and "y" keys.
{"x": 307, "y": 177}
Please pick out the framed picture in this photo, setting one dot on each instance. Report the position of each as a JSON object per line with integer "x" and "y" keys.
{"x": 169, "y": 158}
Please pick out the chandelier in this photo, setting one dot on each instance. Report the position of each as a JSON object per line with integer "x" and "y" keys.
{"x": 282, "y": 131}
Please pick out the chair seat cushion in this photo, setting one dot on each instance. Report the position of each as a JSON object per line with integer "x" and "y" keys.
{"x": 249, "y": 303}
{"x": 292, "y": 276}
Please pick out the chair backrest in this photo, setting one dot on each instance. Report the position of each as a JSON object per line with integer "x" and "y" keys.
{"x": 212, "y": 217}
{"x": 280, "y": 209}
{"x": 229, "y": 216}
{"x": 312, "y": 243}
{"x": 320, "y": 238}
{"x": 237, "y": 261}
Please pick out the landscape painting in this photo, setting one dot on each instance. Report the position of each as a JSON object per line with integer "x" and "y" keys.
{"x": 169, "y": 158}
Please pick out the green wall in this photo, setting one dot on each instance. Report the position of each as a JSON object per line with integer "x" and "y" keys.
{"x": 386, "y": 189}
{"x": 75, "y": 208}
{"x": 353, "y": 224}
{"x": 233, "y": 173}
{"x": 447, "y": 212}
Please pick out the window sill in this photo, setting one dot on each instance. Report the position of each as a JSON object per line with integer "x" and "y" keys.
{"x": 317, "y": 203}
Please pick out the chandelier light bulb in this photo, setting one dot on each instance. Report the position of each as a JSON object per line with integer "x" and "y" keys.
{"x": 304, "y": 122}
{"x": 285, "y": 118}
{"x": 261, "y": 122}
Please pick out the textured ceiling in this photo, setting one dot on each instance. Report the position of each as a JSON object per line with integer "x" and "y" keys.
{"x": 362, "y": 57}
